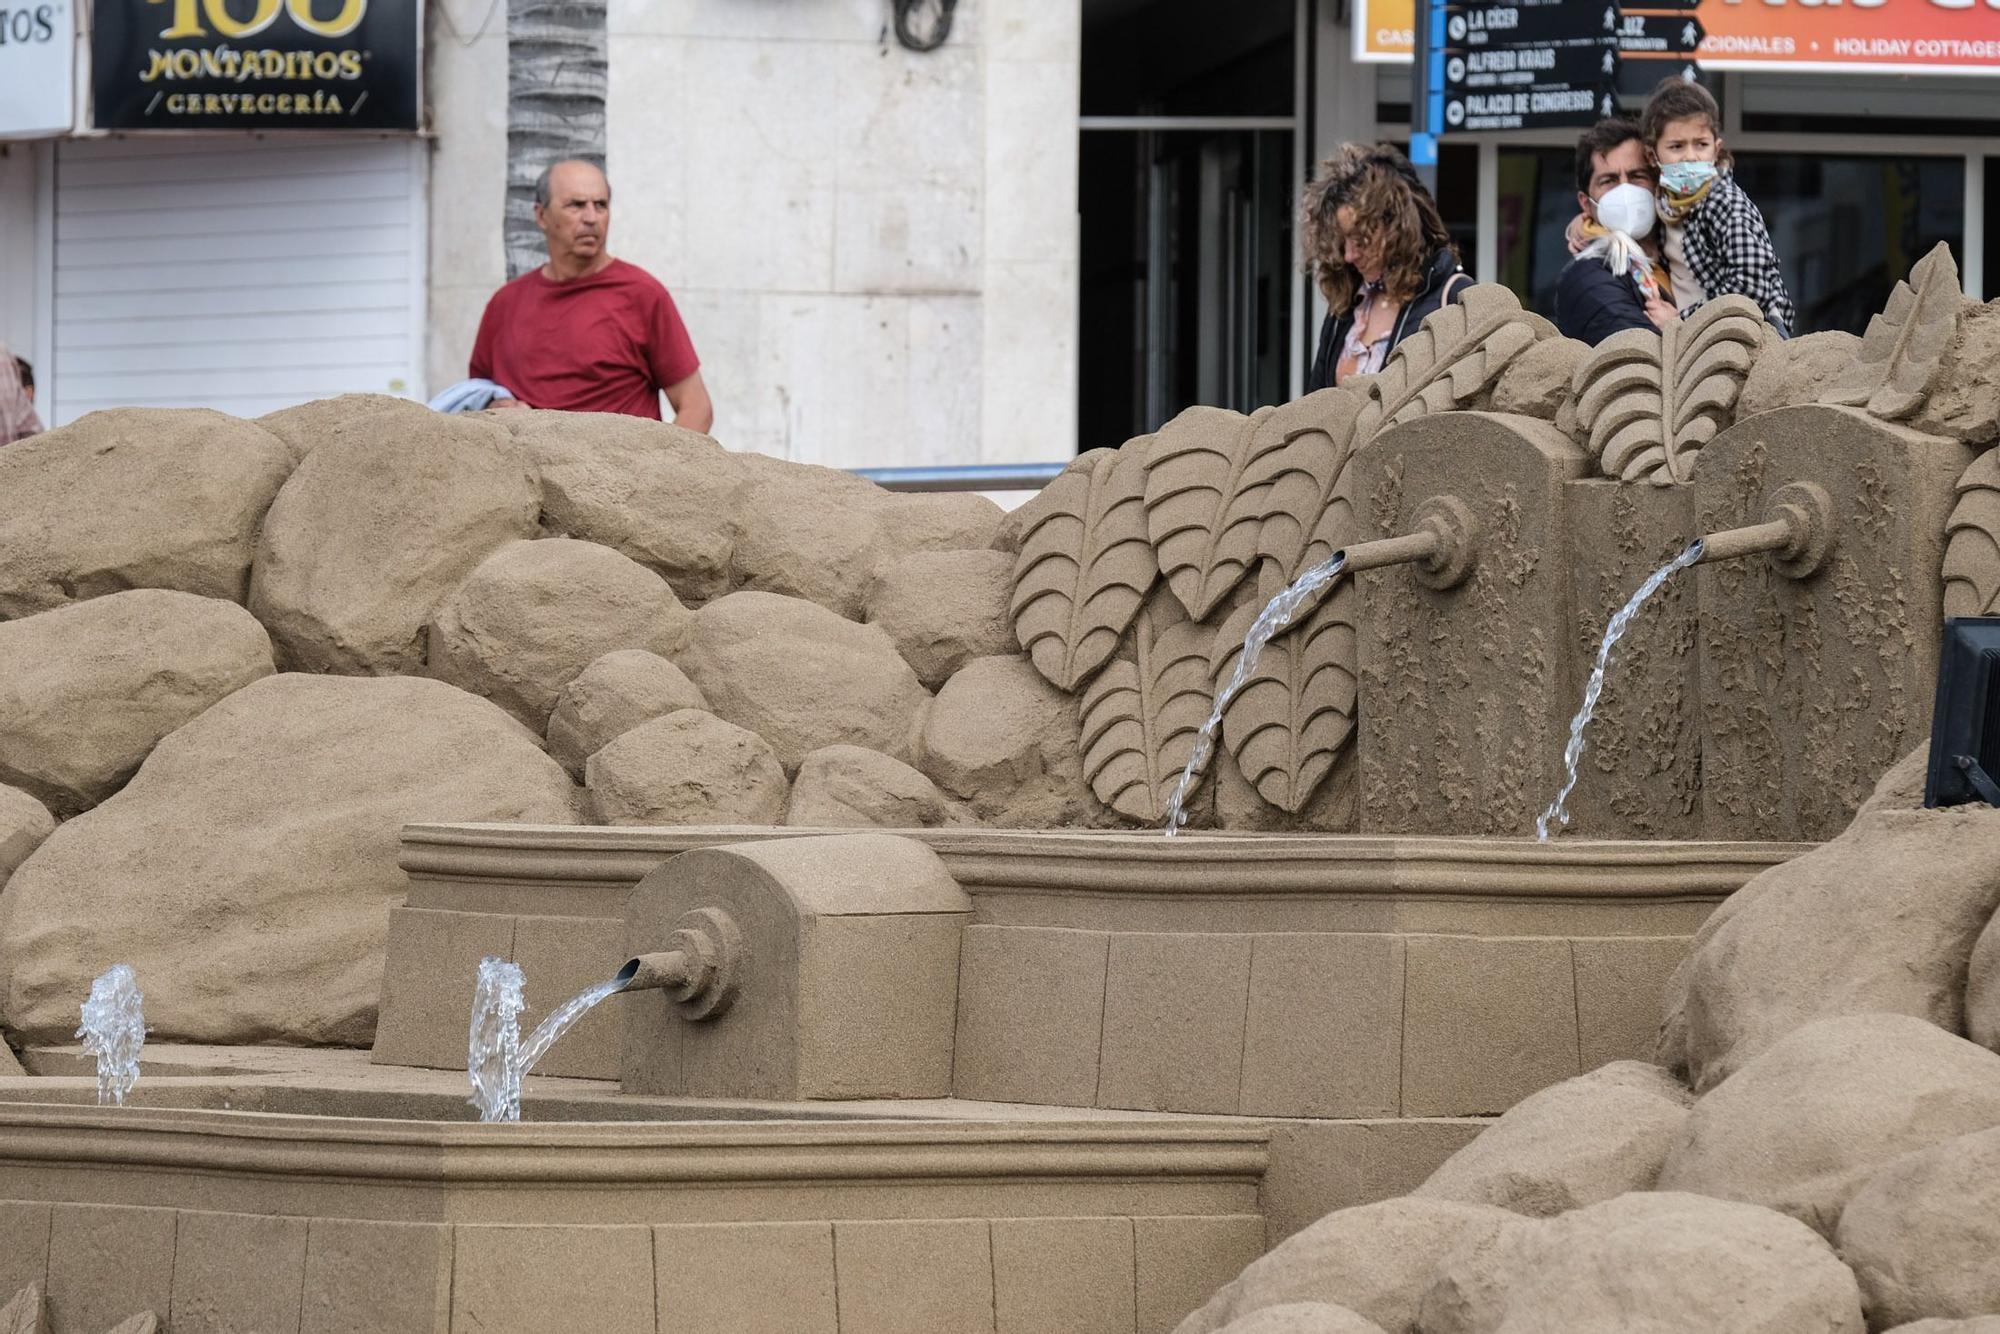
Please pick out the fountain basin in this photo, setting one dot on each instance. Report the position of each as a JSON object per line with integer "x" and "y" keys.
{"x": 1319, "y": 976}
{"x": 258, "y": 1219}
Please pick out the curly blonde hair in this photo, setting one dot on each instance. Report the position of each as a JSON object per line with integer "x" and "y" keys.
{"x": 1391, "y": 209}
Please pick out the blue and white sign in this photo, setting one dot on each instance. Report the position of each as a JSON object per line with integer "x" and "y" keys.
{"x": 37, "y": 68}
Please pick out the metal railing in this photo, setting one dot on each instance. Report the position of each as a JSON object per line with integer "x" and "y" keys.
{"x": 967, "y": 477}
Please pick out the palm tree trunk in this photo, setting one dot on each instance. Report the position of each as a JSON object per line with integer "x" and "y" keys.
{"x": 555, "y": 106}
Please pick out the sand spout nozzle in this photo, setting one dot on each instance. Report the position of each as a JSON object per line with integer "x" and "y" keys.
{"x": 699, "y": 971}
{"x": 1443, "y": 545}
{"x": 1796, "y": 532}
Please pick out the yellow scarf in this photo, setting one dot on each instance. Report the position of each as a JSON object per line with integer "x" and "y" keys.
{"x": 1593, "y": 229}
{"x": 1674, "y": 206}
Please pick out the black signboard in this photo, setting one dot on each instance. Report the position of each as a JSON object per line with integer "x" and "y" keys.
{"x": 256, "y": 64}
{"x": 1660, "y": 34}
{"x": 1530, "y": 64}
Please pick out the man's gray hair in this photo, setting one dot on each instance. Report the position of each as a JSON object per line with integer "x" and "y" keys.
{"x": 542, "y": 181}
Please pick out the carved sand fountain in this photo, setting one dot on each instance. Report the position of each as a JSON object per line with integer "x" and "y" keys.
{"x": 964, "y": 1077}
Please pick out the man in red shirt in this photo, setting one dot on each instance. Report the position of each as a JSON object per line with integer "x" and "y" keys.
{"x": 586, "y": 332}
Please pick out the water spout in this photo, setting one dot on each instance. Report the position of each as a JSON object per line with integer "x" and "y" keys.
{"x": 1558, "y": 810}
{"x": 498, "y": 1060}
{"x": 114, "y": 1031}
{"x": 1442, "y": 544}
{"x": 1796, "y": 532}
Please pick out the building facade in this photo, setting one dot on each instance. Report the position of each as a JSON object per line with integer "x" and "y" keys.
{"x": 1055, "y": 230}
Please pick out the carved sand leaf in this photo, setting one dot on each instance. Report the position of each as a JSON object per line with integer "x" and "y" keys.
{"x": 1891, "y": 373}
{"x": 1452, "y": 358}
{"x": 1085, "y": 565}
{"x": 1141, "y": 714}
{"x": 1295, "y": 712}
{"x": 1207, "y": 479}
{"x": 1319, "y": 438}
{"x": 23, "y": 1312}
{"x": 1972, "y": 542}
{"x": 1648, "y": 402}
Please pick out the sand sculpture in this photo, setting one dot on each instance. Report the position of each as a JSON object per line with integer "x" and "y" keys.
{"x": 241, "y": 657}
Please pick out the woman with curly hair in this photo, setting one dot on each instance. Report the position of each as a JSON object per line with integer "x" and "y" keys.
{"x": 1375, "y": 243}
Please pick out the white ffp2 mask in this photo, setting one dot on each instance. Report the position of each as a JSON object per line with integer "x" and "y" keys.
{"x": 1627, "y": 208}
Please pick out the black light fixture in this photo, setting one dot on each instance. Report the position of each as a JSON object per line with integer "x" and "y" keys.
{"x": 1965, "y": 721}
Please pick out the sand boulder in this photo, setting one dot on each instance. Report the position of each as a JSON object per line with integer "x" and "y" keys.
{"x": 88, "y": 689}
{"x": 847, "y": 787}
{"x": 1536, "y": 383}
{"x": 306, "y": 426}
{"x": 269, "y": 925}
{"x": 945, "y": 521}
{"x": 1923, "y": 1235}
{"x": 1302, "y": 1318}
{"x": 809, "y": 532}
{"x": 1793, "y": 372}
{"x": 802, "y": 677}
{"x": 610, "y": 697}
{"x": 1982, "y": 988}
{"x": 1881, "y": 919}
{"x": 533, "y": 615}
{"x": 24, "y": 824}
{"x": 1006, "y": 741}
{"x": 1667, "y": 1263}
{"x": 1580, "y": 1142}
{"x": 663, "y": 495}
{"x": 1802, "y": 1126}
{"x": 1979, "y": 1324}
{"x": 1376, "y": 1260}
{"x": 373, "y": 530}
{"x": 134, "y": 498}
{"x": 1964, "y": 398}
{"x": 942, "y": 609}
{"x": 688, "y": 767}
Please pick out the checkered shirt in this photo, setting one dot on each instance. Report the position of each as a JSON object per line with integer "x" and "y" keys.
{"x": 1730, "y": 251}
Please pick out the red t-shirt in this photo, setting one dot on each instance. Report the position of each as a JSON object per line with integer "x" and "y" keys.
{"x": 606, "y": 343}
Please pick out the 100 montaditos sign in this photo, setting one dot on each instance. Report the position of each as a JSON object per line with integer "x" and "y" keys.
{"x": 1855, "y": 36}
{"x": 256, "y": 64}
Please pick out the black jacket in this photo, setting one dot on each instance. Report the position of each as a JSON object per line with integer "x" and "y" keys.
{"x": 1592, "y": 302}
{"x": 1333, "y": 329}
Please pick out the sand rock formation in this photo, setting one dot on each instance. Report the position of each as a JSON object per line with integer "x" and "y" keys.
{"x": 1537, "y": 383}
{"x": 1376, "y": 1260}
{"x": 1923, "y": 1235}
{"x": 1796, "y": 370}
{"x": 372, "y": 532}
{"x": 942, "y": 609}
{"x": 24, "y": 825}
{"x": 1982, "y": 988}
{"x": 847, "y": 787}
{"x": 688, "y": 767}
{"x": 1803, "y": 1125}
{"x": 87, "y": 690}
{"x": 661, "y": 494}
{"x": 1677, "y": 1262}
{"x": 1580, "y": 1142}
{"x": 1303, "y": 1318}
{"x": 808, "y": 532}
{"x": 1979, "y": 1324}
{"x": 1001, "y": 738}
{"x": 1881, "y": 919}
{"x": 268, "y": 926}
{"x": 305, "y": 426}
{"x": 135, "y": 498}
{"x": 533, "y": 615}
{"x": 610, "y": 697}
{"x": 941, "y": 521}
{"x": 801, "y": 676}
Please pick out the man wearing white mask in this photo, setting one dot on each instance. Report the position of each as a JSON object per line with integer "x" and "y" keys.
{"x": 1616, "y": 282}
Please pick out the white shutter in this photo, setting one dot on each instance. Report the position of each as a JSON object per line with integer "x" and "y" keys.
{"x": 235, "y": 273}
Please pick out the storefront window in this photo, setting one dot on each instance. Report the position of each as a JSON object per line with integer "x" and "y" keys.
{"x": 1847, "y": 227}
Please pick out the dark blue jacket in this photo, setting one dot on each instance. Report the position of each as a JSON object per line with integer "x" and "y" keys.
{"x": 1429, "y": 297}
{"x": 1592, "y": 302}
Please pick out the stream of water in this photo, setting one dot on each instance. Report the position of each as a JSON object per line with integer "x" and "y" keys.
{"x": 114, "y": 1031}
{"x": 1277, "y": 614}
{"x": 497, "y": 1059}
{"x": 1558, "y": 810}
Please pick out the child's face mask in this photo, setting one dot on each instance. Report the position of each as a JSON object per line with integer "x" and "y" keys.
{"x": 1627, "y": 208}
{"x": 1683, "y": 178}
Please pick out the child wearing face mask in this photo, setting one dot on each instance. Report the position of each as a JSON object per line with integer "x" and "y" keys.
{"x": 1714, "y": 241}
